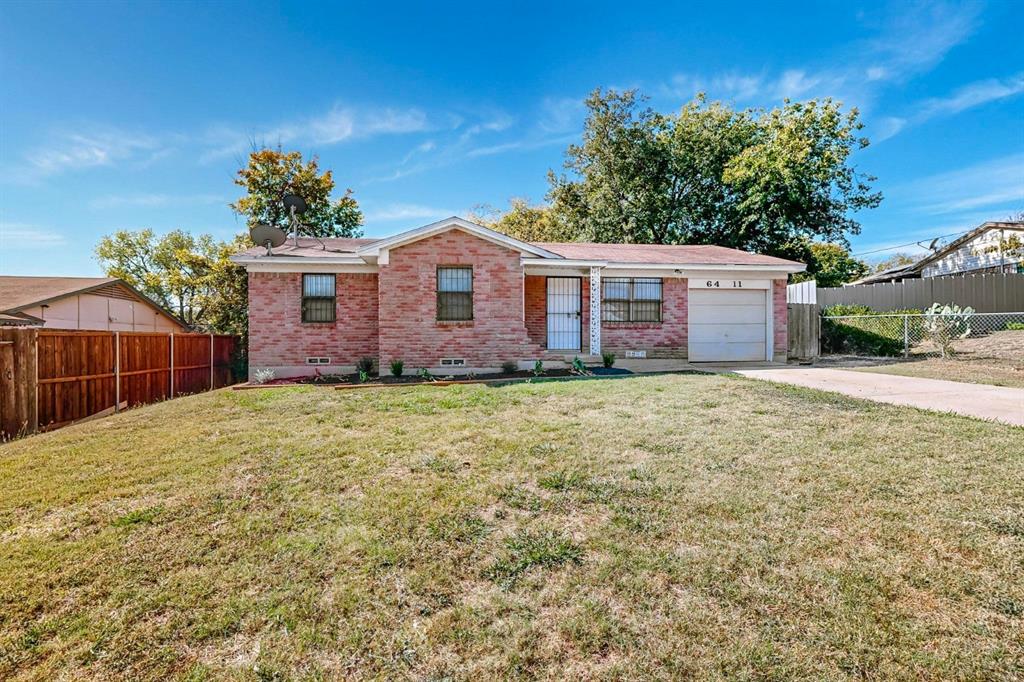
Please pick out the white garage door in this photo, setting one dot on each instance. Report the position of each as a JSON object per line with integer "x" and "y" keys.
{"x": 727, "y": 325}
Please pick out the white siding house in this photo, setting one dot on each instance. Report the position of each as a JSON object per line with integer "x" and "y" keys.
{"x": 982, "y": 251}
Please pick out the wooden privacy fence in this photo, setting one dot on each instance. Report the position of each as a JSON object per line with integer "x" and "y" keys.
{"x": 52, "y": 377}
{"x": 803, "y": 327}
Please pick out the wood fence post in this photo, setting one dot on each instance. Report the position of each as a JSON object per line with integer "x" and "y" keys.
{"x": 172, "y": 363}
{"x": 211, "y": 361}
{"x": 117, "y": 371}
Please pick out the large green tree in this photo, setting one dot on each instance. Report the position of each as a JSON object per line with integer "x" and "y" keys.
{"x": 831, "y": 265}
{"x": 189, "y": 275}
{"x": 272, "y": 173}
{"x": 765, "y": 181}
{"x": 895, "y": 260}
{"x": 523, "y": 220}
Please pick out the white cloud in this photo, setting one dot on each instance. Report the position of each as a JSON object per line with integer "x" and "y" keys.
{"x": 975, "y": 94}
{"x": 909, "y": 41}
{"x": 886, "y": 127}
{"x": 996, "y": 185}
{"x": 22, "y": 237}
{"x": 154, "y": 200}
{"x": 408, "y": 212}
{"x": 919, "y": 36}
{"x": 963, "y": 98}
{"x": 76, "y": 151}
{"x": 561, "y": 114}
{"x": 338, "y": 125}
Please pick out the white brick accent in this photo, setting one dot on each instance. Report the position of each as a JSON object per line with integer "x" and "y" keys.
{"x": 595, "y": 311}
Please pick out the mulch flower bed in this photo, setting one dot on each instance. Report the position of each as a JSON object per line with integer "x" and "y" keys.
{"x": 352, "y": 380}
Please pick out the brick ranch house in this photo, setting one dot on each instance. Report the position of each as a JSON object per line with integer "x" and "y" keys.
{"x": 455, "y": 297}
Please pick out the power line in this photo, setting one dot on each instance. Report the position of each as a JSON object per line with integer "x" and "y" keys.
{"x": 900, "y": 246}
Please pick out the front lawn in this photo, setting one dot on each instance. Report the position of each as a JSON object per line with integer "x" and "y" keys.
{"x": 670, "y": 526}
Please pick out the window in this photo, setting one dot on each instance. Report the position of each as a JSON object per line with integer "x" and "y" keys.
{"x": 626, "y": 299}
{"x": 318, "y": 298}
{"x": 454, "y": 294}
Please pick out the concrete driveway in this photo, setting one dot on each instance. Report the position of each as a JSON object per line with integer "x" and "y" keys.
{"x": 973, "y": 400}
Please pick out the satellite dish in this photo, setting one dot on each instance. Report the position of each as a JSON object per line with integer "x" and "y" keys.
{"x": 267, "y": 235}
{"x": 295, "y": 202}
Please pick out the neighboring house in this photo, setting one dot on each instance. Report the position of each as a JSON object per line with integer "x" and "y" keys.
{"x": 454, "y": 296}
{"x": 991, "y": 247}
{"x": 81, "y": 303}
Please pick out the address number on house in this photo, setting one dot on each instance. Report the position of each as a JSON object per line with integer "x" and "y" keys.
{"x": 722, "y": 283}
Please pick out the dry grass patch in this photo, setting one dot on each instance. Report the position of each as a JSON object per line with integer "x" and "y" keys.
{"x": 660, "y": 527}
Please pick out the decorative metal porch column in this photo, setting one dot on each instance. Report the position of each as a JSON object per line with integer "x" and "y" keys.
{"x": 595, "y": 311}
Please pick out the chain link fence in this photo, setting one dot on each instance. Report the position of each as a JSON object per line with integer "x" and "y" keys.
{"x": 924, "y": 335}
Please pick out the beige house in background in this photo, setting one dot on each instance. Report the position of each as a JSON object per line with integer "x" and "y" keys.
{"x": 103, "y": 303}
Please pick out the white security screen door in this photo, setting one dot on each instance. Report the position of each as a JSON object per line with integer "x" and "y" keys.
{"x": 564, "y": 319}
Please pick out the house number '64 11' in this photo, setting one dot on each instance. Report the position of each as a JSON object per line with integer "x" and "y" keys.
{"x": 714, "y": 283}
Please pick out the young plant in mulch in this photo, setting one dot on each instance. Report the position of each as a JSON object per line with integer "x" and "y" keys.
{"x": 397, "y": 367}
{"x": 538, "y": 368}
{"x": 608, "y": 359}
{"x": 365, "y": 364}
{"x": 262, "y": 376}
{"x": 578, "y": 367}
{"x": 425, "y": 374}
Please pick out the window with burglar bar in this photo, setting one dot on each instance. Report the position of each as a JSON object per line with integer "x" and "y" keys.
{"x": 318, "y": 298}
{"x": 454, "y": 294}
{"x": 630, "y": 299}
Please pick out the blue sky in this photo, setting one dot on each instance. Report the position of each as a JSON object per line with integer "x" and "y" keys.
{"x": 138, "y": 114}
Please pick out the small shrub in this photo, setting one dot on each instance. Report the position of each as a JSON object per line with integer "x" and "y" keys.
{"x": 509, "y": 367}
{"x": 526, "y": 550}
{"x": 538, "y": 368}
{"x": 363, "y": 377}
{"x": 425, "y": 374}
{"x": 262, "y": 376}
{"x": 838, "y": 336}
{"x": 578, "y": 367}
{"x": 397, "y": 367}
{"x": 365, "y": 365}
{"x": 608, "y": 359}
{"x": 1015, "y": 326}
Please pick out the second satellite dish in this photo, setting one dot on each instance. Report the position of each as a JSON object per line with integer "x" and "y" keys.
{"x": 267, "y": 235}
{"x": 294, "y": 201}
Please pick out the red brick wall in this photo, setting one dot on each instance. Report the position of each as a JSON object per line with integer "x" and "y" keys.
{"x": 781, "y": 317}
{"x": 666, "y": 339}
{"x": 537, "y": 309}
{"x": 279, "y": 338}
{"x": 408, "y": 324}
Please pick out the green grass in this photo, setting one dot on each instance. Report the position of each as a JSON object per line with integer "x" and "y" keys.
{"x": 668, "y": 527}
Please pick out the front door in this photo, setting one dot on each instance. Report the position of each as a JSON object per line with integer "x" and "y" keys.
{"x": 564, "y": 320}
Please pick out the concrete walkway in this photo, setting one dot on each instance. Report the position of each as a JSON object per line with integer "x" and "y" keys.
{"x": 973, "y": 400}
